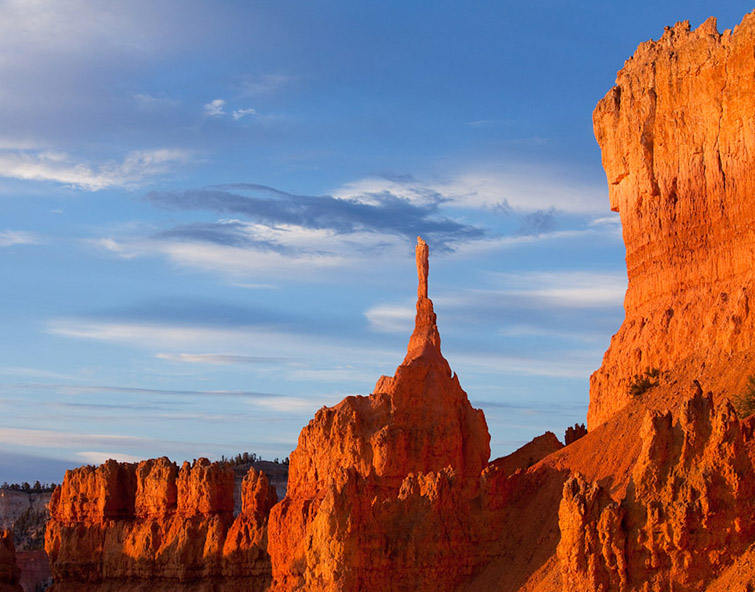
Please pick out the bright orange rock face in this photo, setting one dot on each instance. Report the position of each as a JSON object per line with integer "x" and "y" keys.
{"x": 127, "y": 526}
{"x": 678, "y": 146}
{"x": 374, "y": 480}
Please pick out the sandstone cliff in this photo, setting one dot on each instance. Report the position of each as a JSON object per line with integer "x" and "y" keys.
{"x": 678, "y": 146}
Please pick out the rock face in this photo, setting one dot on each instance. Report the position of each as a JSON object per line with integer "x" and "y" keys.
{"x": 678, "y": 146}
{"x": 374, "y": 479}
{"x": 687, "y": 514}
{"x": 132, "y": 527}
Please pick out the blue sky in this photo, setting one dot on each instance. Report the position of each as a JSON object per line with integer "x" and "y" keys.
{"x": 208, "y": 212}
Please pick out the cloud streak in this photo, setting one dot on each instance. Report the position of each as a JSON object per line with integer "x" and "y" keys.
{"x": 527, "y": 189}
{"x": 138, "y": 166}
{"x": 384, "y": 213}
{"x": 9, "y": 238}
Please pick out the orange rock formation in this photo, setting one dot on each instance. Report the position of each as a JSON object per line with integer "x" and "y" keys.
{"x": 122, "y": 526}
{"x": 678, "y": 148}
{"x": 374, "y": 479}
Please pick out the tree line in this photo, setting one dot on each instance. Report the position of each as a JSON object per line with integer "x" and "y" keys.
{"x": 27, "y": 488}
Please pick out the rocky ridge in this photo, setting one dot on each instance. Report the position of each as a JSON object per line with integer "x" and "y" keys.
{"x": 137, "y": 526}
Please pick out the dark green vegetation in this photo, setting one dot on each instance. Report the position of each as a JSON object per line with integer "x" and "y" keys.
{"x": 745, "y": 403}
{"x": 642, "y": 383}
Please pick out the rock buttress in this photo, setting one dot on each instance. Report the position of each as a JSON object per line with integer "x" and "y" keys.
{"x": 677, "y": 137}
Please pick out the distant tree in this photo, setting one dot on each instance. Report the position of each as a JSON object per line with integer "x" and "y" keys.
{"x": 574, "y": 433}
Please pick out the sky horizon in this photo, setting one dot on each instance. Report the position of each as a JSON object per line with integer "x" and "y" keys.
{"x": 208, "y": 214}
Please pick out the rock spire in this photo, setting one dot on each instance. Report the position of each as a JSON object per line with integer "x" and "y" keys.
{"x": 425, "y": 339}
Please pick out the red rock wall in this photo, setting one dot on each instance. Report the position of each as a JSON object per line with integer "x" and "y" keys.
{"x": 678, "y": 144}
{"x": 126, "y": 525}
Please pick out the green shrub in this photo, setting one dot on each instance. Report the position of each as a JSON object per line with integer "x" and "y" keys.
{"x": 642, "y": 383}
{"x": 745, "y": 403}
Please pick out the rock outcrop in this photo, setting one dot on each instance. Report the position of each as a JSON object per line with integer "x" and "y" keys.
{"x": 137, "y": 526}
{"x": 678, "y": 146}
{"x": 689, "y": 511}
{"x": 375, "y": 479}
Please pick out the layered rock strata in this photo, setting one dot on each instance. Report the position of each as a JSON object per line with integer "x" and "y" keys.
{"x": 380, "y": 486}
{"x": 678, "y": 146}
{"x": 154, "y": 526}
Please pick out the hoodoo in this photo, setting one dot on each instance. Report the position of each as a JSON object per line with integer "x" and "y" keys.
{"x": 374, "y": 479}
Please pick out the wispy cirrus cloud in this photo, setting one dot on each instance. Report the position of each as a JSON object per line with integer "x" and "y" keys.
{"x": 138, "y": 166}
{"x": 553, "y": 292}
{"x": 525, "y": 189}
{"x": 240, "y": 113}
{"x": 385, "y": 213}
{"x": 268, "y": 345}
{"x": 9, "y": 238}
{"x": 218, "y": 359}
{"x": 72, "y": 389}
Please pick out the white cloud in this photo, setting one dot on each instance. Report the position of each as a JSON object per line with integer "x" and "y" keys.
{"x": 518, "y": 291}
{"x": 74, "y": 25}
{"x": 216, "y": 359}
{"x": 566, "y": 289}
{"x": 137, "y": 167}
{"x": 259, "y": 342}
{"x": 8, "y": 238}
{"x": 214, "y": 108}
{"x": 526, "y": 189}
{"x": 98, "y": 458}
{"x": 60, "y": 439}
{"x": 239, "y": 113}
{"x": 576, "y": 364}
{"x": 307, "y": 251}
{"x": 390, "y": 318}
